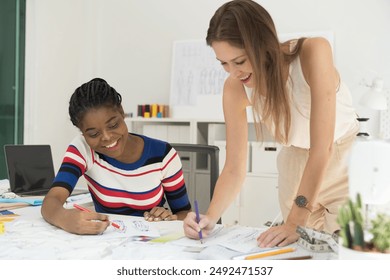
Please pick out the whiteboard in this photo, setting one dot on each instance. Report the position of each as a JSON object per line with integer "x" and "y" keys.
{"x": 196, "y": 75}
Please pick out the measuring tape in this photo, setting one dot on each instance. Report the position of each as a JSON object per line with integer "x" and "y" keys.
{"x": 317, "y": 241}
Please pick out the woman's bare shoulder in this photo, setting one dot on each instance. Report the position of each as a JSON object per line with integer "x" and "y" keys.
{"x": 315, "y": 45}
{"x": 234, "y": 92}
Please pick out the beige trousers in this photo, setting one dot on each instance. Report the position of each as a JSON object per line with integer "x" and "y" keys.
{"x": 333, "y": 191}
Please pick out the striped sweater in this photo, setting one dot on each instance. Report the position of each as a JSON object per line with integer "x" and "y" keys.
{"x": 126, "y": 189}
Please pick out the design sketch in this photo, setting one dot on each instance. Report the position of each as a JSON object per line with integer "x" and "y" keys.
{"x": 195, "y": 71}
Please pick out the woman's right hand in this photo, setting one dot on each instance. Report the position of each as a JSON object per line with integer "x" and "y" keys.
{"x": 81, "y": 222}
{"x": 192, "y": 228}
{"x": 71, "y": 220}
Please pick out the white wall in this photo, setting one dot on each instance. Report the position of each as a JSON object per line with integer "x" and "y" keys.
{"x": 129, "y": 43}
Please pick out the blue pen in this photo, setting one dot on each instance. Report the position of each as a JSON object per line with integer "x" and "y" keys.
{"x": 198, "y": 220}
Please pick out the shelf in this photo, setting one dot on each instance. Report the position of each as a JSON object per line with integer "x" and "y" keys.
{"x": 158, "y": 120}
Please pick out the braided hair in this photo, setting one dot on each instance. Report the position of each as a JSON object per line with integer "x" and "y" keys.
{"x": 93, "y": 94}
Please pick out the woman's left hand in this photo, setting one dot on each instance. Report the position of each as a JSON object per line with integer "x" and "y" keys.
{"x": 280, "y": 236}
{"x": 159, "y": 214}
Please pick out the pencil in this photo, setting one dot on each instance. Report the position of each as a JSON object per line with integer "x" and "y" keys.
{"x": 198, "y": 220}
{"x": 307, "y": 257}
{"x": 270, "y": 253}
{"x": 115, "y": 225}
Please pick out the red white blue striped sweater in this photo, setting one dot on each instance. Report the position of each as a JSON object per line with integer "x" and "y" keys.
{"x": 127, "y": 189}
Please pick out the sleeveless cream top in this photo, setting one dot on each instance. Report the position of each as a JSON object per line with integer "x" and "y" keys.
{"x": 300, "y": 107}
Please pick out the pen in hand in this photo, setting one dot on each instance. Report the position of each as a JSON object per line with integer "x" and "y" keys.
{"x": 198, "y": 220}
{"x": 115, "y": 225}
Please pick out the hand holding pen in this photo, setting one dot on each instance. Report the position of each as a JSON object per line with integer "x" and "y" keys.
{"x": 97, "y": 222}
{"x": 193, "y": 224}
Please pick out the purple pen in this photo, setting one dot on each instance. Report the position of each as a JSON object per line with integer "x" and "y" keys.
{"x": 198, "y": 220}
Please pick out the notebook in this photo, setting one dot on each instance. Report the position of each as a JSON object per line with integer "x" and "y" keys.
{"x": 30, "y": 169}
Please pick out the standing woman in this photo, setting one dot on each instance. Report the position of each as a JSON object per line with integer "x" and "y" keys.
{"x": 297, "y": 94}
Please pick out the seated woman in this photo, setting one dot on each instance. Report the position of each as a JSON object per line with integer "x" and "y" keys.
{"x": 126, "y": 173}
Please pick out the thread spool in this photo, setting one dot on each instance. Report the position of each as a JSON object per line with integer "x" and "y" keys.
{"x": 154, "y": 110}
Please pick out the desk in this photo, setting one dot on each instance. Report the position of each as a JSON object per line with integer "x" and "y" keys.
{"x": 29, "y": 237}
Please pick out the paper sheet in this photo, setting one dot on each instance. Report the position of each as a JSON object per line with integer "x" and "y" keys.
{"x": 240, "y": 239}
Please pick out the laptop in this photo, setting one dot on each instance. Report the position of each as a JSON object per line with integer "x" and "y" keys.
{"x": 30, "y": 169}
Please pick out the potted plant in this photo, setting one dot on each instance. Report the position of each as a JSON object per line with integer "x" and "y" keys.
{"x": 362, "y": 239}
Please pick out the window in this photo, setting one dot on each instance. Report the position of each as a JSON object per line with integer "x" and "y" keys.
{"x": 12, "y": 36}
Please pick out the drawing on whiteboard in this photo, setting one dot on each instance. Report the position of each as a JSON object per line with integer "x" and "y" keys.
{"x": 195, "y": 71}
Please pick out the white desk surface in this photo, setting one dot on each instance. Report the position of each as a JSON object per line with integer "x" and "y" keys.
{"x": 29, "y": 237}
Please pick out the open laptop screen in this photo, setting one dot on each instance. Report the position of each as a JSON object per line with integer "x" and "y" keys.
{"x": 30, "y": 168}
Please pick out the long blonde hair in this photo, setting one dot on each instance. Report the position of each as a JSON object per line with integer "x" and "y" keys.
{"x": 247, "y": 25}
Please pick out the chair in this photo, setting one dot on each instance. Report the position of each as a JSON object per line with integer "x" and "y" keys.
{"x": 199, "y": 162}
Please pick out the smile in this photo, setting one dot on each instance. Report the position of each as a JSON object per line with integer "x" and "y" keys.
{"x": 112, "y": 145}
{"x": 246, "y": 78}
